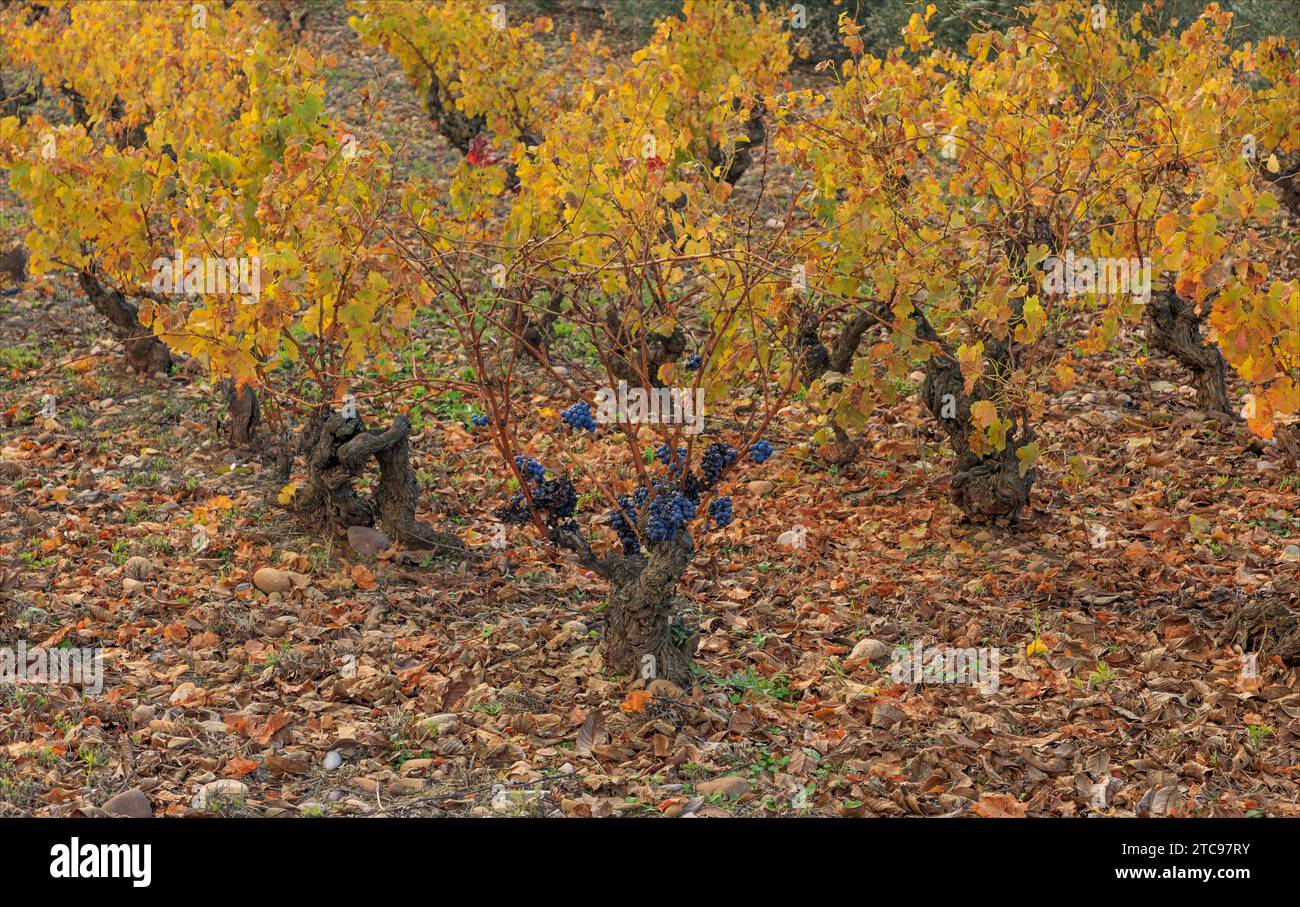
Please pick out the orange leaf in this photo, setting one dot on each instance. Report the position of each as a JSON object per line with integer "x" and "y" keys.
{"x": 999, "y": 806}
{"x": 363, "y": 577}
{"x": 636, "y": 701}
{"x": 238, "y": 768}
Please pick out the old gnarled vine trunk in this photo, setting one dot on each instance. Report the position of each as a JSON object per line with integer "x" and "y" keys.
{"x": 461, "y": 130}
{"x": 14, "y": 103}
{"x": 338, "y": 450}
{"x": 816, "y": 361}
{"x": 244, "y": 411}
{"x": 985, "y": 485}
{"x": 643, "y": 636}
{"x": 741, "y": 157}
{"x": 1288, "y": 183}
{"x": 144, "y": 352}
{"x": 1174, "y": 327}
{"x": 637, "y": 355}
{"x": 13, "y": 269}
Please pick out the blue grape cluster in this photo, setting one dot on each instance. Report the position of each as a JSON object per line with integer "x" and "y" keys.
{"x": 555, "y": 499}
{"x": 665, "y": 456}
{"x": 480, "y": 420}
{"x": 578, "y": 416}
{"x": 514, "y": 512}
{"x": 717, "y": 457}
{"x": 720, "y": 510}
{"x": 622, "y": 520}
{"x": 676, "y": 497}
{"x": 530, "y": 467}
{"x": 693, "y": 363}
{"x": 669, "y": 511}
{"x": 760, "y": 451}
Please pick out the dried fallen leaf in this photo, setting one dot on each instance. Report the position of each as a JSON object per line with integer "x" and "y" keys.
{"x": 636, "y": 701}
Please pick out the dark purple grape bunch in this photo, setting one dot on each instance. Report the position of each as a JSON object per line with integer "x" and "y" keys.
{"x": 578, "y": 417}
{"x": 623, "y": 520}
{"x": 556, "y": 499}
{"x": 717, "y": 457}
{"x": 760, "y": 451}
{"x": 720, "y": 511}
{"x": 670, "y": 511}
{"x": 673, "y": 460}
{"x": 677, "y": 495}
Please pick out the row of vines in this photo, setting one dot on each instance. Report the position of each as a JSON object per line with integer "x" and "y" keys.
{"x": 943, "y": 212}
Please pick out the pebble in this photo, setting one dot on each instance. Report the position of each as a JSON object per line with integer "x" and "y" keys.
{"x": 269, "y": 580}
{"x": 665, "y": 688}
{"x": 138, "y": 568}
{"x": 441, "y": 723}
{"x": 223, "y": 788}
{"x": 332, "y": 760}
{"x": 730, "y": 786}
{"x": 131, "y": 804}
{"x": 869, "y": 649}
{"x": 367, "y": 542}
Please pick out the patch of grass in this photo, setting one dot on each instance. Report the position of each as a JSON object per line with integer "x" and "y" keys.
{"x": 120, "y": 551}
{"x": 742, "y": 683}
{"x": 1258, "y": 732}
{"x": 137, "y": 514}
{"x": 19, "y": 357}
{"x": 1100, "y": 679}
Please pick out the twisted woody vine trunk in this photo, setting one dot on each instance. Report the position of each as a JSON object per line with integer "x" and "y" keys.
{"x": 453, "y": 124}
{"x": 641, "y": 621}
{"x": 13, "y": 268}
{"x": 741, "y": 156}
{"x": 245, "y": 413}
{"x": 640, "y": 610}
{"x": 1174, "y": 327}
{"x": 534, "y": 332}
{"x": 338, "y": 450}
{"x": 461, "y": 130}
{"x": 1288, "y": 184}
{"x": 13, "y": 262}
{"x": 636, "y": 354}
{"x": 15, "y": 104}
{"x": 816, "y": 360}
{"x": 984, "y": 485}
{"x": 145, "y": 353}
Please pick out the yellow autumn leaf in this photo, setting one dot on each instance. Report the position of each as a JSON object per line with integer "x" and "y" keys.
{"x": 984, "y": 413}
{"x": 1028, "y": 456}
